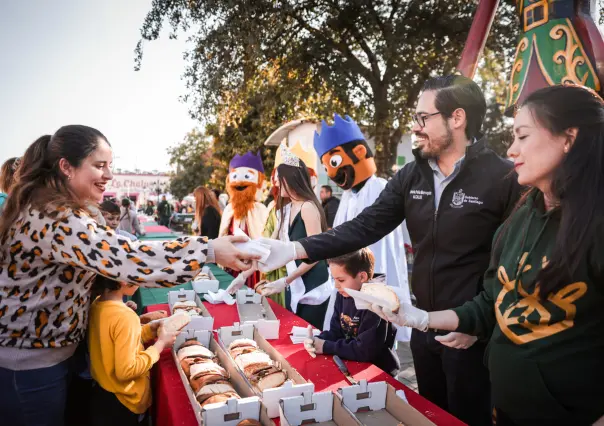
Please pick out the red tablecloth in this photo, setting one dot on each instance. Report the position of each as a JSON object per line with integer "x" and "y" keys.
{"x": 172, "y": 407}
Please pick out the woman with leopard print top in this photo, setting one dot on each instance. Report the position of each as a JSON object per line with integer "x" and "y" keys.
{"x": 51, "y": 249}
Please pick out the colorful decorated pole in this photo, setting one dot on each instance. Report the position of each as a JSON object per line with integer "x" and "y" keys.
{"x": 479, "y": 31}
{"x": 559, "y": 44}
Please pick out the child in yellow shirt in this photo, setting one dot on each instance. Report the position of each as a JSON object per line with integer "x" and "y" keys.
{"x": 118, "y": 361}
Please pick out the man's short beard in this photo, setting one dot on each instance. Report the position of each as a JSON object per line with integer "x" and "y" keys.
{"x": 442, "y": 145}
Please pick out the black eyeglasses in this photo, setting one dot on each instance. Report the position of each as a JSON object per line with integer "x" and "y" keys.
{"x": 420, "y": 120}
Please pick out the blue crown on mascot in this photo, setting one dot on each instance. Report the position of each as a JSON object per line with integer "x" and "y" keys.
{"x": 253, "y": 161}
{"x": 344, "y": 130}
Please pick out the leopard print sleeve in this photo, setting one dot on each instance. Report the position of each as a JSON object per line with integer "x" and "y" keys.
{"x": 80, "y": 242}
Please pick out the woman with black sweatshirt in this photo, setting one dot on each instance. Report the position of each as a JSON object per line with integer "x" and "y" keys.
{"x": 207, "y": 213}
{"x": 542, "y": 307}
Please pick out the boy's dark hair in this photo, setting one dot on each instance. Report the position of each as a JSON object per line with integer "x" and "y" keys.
{"x": 110, "y": 207}
{"x": 361, "y": 260}
{"x": 457, "y": 91}
{"x": 327, "y": 188}
{"x": 102, "y": 283}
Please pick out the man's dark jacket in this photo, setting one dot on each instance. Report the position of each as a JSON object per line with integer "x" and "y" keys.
{"x": 452, "y": 244}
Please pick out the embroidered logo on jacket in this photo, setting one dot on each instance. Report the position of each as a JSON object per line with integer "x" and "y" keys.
{"x": 460, "y": 198}
{"x": 528, "y": 318}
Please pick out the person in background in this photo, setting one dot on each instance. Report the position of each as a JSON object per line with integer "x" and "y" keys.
{"x": 164, "y": 211}
{"x": 119, "y": 364}
{"x": 51, "y": 249}
{"x": 207, "y": 213}
{"x": 129, "y": 219}
{"x": 330, "y": 204}
{"x": 111, "y": 212}
{"x": 307, "y": 285}
{"x": 7, "y": 176}
{"x": 150, "y": 209}
{"x": 357, "y": 335}
{"x": 541, "y": 303}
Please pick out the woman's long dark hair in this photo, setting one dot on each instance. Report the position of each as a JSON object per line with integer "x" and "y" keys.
{"x": 204, "y": 198}
{"x": 39, "y": 182}
{"x": 578, "y": 182}
{"x": 296, "y": 181}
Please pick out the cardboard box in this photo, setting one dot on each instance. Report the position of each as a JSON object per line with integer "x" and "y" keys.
{"x": 198, "y": 322}
{"x": 376, "y": 404}
{"x": 203, "y": 286}
{"x": 227, "y": 413}
{"x": 254, "y": 309}
{"x": 322, "y": 409}
{"x": 294, "y": 386}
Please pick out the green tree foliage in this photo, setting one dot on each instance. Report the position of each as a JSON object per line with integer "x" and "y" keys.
{"x": 370, "y": 57}
{"x": 193, "y": 161}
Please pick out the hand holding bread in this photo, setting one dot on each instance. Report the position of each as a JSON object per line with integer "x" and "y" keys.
{"x": 407, "y": 316}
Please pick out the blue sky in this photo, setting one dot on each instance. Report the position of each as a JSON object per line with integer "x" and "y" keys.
{"x": 72, "y": 62}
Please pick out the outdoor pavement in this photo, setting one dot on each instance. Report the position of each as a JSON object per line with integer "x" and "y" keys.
{"x": 407, "y": 374}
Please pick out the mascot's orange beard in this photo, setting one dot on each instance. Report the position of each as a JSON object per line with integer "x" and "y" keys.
{"x": 243, "y": 200}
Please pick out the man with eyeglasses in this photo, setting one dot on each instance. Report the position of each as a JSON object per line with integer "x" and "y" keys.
{"x": 454, "y": 197}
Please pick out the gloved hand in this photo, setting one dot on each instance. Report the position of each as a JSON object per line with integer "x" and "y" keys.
{"x": 274, "y": 287}
{"x": 281, "y": 254}
{"x": 407, "y": 316}
{"x": 314, "y": 346}
{"x": 309, "y": 344}
{"x": 240, "y": 280}
{"x": 457, "y": 340}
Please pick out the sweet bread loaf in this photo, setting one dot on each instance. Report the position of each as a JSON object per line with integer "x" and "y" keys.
{"x": 223, "y": 397}
{"x": 383, "y": 292}
{"x": 243, "y": 343}
{"x": 195, "y": 351}
{"x": 268, "y": 378}
{"x": 249, "y": 422}
{"x": 152, "y": 316}
{"x": 209, "y": 391}
{"x": 188, "y": 362}
{"x": 206, "y": 374}
{"x": 256, "y": 365}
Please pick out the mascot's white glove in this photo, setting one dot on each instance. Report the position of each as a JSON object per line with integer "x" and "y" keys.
{"x": 240, "y": 280}
{"x": 407, "y": 316}
{"x": 281, "y": 254}
{"x": 274, "y": 287}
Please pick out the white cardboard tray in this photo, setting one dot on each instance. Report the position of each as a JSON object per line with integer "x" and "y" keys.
{"x": 254, "y": 309}
{"x": 203, "y": 286}
{"x": 321, "y": 409}
{"x": 376, "y": 404}
{"x": 198, "y": 322}
{"x": 296, "y": 385}
{"x": 231, "y": 412}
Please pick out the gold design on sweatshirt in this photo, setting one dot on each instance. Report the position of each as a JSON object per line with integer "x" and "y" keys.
{"x": 528, "y": 319}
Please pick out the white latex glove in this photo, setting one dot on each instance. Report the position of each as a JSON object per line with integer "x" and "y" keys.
{"x": 281, "y": 254}
{"x": 240, "y": 280}
{"x": 309, "y": 345}
{"x": 407, "y": 316}
{"x": 274, "y": 287}
{"x": 309, "y": 342}
{"x": 457, "y": 340}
